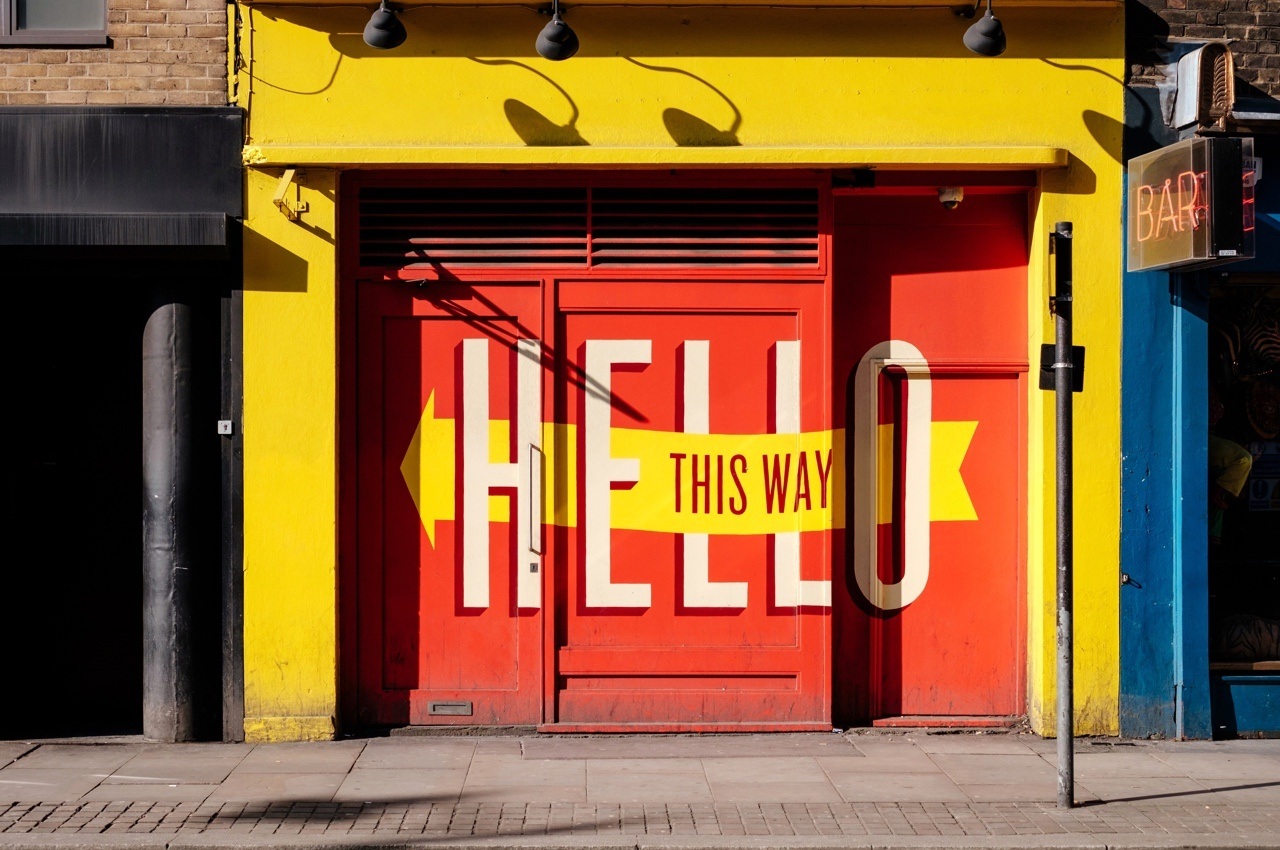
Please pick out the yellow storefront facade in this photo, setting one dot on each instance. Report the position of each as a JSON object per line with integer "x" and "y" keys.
{"x": 811, "y": 95}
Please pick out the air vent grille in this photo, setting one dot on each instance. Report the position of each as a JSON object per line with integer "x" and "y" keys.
{"x": 420, "y": 227}
{"x": 718, "y": 227}
{"x": 604, "y": 227}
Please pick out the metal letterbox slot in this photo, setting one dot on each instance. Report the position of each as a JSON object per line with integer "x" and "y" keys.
{"x": 455, "y": 707}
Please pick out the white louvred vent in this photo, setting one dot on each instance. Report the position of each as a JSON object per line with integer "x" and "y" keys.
{"x": 1206, "y": 87}
{"x": 1223, "y": 95}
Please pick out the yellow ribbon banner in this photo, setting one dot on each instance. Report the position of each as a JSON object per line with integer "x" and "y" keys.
{"x": 695, "y": 483}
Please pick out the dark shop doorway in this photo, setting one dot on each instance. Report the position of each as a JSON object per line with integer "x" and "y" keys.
{"x": 72, "y": 494}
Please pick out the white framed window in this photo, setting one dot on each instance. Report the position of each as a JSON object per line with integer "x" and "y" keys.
{"x": 53, "y": 22}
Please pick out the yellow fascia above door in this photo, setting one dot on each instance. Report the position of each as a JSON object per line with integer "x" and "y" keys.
{"x": 881, "y": 158}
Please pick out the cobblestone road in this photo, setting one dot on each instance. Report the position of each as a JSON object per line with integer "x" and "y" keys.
{"x": 778, "y": 819}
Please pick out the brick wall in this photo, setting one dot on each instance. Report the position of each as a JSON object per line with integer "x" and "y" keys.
{"x": 171, "y": 52}
{"x": 1253, "y": 26}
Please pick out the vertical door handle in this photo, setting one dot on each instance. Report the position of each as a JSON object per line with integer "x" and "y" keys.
{"x": 536, "y": 499}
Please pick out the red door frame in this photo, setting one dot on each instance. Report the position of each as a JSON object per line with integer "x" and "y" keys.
{"x": 351, "y": 274}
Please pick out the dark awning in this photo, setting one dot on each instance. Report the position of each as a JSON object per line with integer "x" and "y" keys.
{"x": 120, "y": 176}
{"x": 122, "y": 229}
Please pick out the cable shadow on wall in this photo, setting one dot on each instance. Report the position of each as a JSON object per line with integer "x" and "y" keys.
{"x": 687, "y": 129}
{"x": 534, "y": 128}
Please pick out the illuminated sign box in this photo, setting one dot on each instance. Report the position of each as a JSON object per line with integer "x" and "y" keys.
{"x": 1191, "y": 205}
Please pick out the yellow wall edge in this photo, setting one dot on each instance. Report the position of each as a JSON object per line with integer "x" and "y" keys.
{"x": 290, "y": 461}
{"x": 1096, "y": 324}
{"x": 270, "y": 730}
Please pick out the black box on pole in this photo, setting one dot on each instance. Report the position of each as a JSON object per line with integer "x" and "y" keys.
{"x": 1046, "y": 367}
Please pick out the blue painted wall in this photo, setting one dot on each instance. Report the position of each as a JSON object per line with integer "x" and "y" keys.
{"x": 1164, "y": 633}
{"x": 1148, "y": 539}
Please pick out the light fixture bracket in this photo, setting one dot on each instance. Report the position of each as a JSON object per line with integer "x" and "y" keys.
{"x": 385, "y": 30}
{"x": 557, "y": 41}
{"x": 291, "y": 208}
{"x": 986, "y": 36}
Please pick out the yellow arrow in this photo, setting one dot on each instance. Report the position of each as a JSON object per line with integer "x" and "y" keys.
{"x": 428, "y": 468}
{"x": 740, "y": 484}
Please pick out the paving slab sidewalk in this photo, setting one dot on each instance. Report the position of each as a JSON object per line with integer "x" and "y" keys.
{"x": 868, "y": 790}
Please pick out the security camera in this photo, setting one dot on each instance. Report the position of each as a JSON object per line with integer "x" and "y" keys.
{"x": 950, "y": 196}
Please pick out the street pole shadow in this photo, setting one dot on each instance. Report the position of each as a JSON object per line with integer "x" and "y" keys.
{"x": 1143, "y": 798}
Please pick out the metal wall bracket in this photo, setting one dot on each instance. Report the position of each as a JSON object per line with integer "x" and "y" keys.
{"x": 292, "y": 207}
{"x": 1048, "y": 364}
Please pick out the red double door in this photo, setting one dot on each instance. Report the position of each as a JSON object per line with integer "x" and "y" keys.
{"x": 680, "y": 504}
{"x": 597, "y": 505}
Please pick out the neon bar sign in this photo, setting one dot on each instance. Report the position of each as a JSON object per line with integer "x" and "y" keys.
{"x": 1178, "y": 205}
{"x": 1191, "y": 205}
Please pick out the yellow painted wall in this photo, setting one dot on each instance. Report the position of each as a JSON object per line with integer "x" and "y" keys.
{"x": 290, "y": 439}
{"x": 660, "y": 87}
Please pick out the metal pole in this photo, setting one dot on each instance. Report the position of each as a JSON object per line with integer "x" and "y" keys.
{"x": 232, "y": 520}
{"x": 168, "y": 710}
{"x": 1063, "y": 386}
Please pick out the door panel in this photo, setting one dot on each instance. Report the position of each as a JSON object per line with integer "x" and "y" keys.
{"x": 931, "y": 384}
{"x": 953, "y": 649}
{"x": 449, "y": 423}
{"x": 695, "y": 575}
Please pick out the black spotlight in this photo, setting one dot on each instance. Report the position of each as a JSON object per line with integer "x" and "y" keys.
{"x": 986, "y": 37}
{"x": 384, "y": 30}
{"x": 557, "y": 40}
